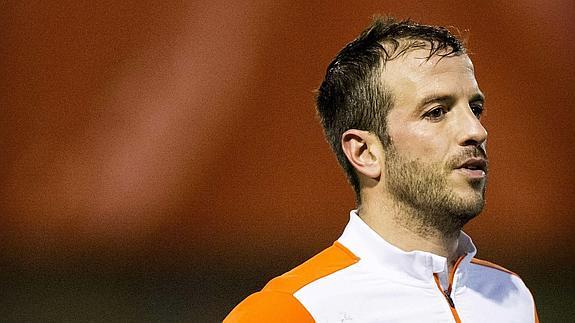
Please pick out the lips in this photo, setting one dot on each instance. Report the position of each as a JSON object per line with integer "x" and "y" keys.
{"x": 474, "y": 167}
{"x": 475, "y": 164}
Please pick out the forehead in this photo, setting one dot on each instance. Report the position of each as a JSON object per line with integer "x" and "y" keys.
{"x": 413, "y": 75}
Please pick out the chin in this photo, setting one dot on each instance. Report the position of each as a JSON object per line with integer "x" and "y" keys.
{"x": 473, "y": 205}
{"x": 471, "y": 200}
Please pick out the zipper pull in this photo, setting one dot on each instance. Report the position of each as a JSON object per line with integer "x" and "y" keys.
{"x": 449, "y": 299}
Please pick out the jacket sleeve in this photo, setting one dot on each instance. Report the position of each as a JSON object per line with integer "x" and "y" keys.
{"x": 269, "y": 306}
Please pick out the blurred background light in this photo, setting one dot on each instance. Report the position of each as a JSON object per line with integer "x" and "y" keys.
{"x": 162, "y": 160}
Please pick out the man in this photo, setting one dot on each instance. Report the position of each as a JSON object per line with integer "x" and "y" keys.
{"x": 401, "y": 109}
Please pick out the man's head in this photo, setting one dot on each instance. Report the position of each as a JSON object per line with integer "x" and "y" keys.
{"x": 400, "y": 108}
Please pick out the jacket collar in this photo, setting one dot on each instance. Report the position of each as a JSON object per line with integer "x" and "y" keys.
{"x": 365, "y": 243}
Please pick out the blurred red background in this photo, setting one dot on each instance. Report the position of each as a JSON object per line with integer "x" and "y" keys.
{"x": 162, "y": 160}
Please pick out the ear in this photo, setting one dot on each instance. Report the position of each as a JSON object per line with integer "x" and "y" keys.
{"x": 362, "y": 151}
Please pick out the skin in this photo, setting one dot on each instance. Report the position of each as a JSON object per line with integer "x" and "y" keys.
{"x": 434, "y": 126}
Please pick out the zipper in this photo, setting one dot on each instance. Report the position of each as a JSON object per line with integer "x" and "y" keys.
{"x": 449, "y": 299}
{"x": 447, "y": 293}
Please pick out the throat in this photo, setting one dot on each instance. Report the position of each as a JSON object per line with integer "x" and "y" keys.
{"x": 409, "y": 234}
{"x": 439, "y": 227}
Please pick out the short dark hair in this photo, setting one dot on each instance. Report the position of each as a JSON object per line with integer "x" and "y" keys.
{"x": 352, "y": 95}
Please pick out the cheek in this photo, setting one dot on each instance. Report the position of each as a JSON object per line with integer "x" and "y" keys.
{"x": 415, "y": 143}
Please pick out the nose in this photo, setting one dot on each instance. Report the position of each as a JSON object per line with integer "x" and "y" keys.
{"x": 472, "y": 132}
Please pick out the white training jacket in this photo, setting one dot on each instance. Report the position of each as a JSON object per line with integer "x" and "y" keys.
{"x": 363, "y": 278}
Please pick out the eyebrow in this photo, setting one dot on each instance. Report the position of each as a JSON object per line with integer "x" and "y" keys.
{"x": 477, "y": 97}
{"x": 435, "y": 98}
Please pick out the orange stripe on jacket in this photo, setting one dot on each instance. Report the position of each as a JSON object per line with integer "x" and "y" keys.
{"x": 276, "y": 303}
{"x": 492, "y": 265}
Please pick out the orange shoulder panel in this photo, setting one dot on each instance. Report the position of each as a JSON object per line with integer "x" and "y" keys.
{"x": 326, "y": 262}
{"x": 491, "y": 265}
{"x": 273, "y": 307}
{"x": 276, "y": 303}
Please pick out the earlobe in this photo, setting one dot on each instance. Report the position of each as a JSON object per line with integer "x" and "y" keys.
{"x": 360, "y": 148}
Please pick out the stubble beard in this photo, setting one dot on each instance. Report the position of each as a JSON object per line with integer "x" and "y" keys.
{"x": 426, "y": 203}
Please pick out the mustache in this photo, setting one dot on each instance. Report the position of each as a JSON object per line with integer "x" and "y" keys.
{"x": 465, "y": 154}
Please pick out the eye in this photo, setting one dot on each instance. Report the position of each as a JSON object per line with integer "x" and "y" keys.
{"x": 435, "y": 113}
{"x": 477, "y": 109}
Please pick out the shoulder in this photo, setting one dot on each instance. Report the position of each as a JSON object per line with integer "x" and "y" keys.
{"x": 276, "y": 302}
{"x": 486, "y": 265}
{"x": 327, "y": 262}
{"x": 269, "y": 306}
{"x": 498, "y": 277}
{"x": 502, "y": 285}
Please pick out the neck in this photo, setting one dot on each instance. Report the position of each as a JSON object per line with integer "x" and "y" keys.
{"x": 399, "y": 226}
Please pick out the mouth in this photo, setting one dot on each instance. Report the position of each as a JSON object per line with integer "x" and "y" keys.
{"x": 474, "y": 167}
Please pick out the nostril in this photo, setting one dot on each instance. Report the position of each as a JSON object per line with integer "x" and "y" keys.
{"x": 471, "y": 142}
